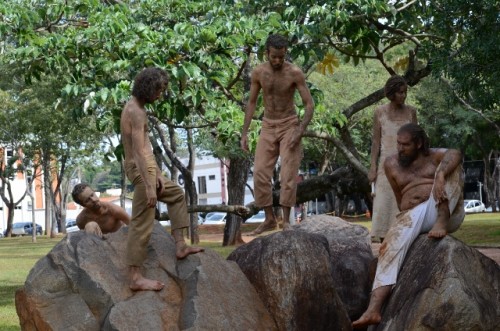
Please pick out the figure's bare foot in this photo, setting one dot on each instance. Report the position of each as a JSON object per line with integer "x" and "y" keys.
{"x": 145, "y": 284}
{"x": 439, "y": 230}
{"x": 183, "y": 250}
{"x": 268, "y": 225}
{"x": 140, "y": 283}
{"x": 286, "y": 226}
{"x": 366, "y": 319}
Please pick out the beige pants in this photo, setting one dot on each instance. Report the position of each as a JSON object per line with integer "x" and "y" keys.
{"x": 141, "y": 224}
{"x": 273, "y": 143}
{"x": 413, "y": 222}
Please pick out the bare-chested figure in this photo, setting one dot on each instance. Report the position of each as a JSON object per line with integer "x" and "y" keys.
{"x": 428, "y": 185}
{"x": 149, "y": 184}
{"x": 387, "y": 119}
{"x": 281, "y": 129}
{"x": 97, "y": 217}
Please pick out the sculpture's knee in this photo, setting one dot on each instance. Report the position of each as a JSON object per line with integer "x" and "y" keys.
{"x": 93, "y": 228}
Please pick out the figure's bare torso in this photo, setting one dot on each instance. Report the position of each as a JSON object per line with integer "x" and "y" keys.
{"x": 105, "y": 218}
{"x": 134, "y": 121}
{"x": 278, "y": 88}
{"x": 414, "y": 182}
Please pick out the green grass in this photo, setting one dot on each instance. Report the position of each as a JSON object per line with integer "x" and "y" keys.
{"x": 18, "y": 255}
{"x": 480, "y": 230}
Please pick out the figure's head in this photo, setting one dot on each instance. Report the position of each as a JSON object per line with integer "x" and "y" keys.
{"x": 150, "y": 84}
{"x": 412, "y": 141}
{"x": 84, "y": 196}
{"x": 276, "y": 47}
{"x": 395, "y": 89}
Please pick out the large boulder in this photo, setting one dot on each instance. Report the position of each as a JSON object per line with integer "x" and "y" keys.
{"x": 82, "y": 285}
{"x": 444, "y": 285}
{"x": 292, "y": 273}
{"x": 351, "y": 258}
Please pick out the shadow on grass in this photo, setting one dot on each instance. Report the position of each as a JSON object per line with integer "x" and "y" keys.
{"x": 7, "y": 294}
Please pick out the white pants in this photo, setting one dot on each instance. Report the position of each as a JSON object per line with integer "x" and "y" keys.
{"x": 411, "y": 223}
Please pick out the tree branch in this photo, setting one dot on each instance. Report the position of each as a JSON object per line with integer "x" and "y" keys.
{"x": 340, "y": 145}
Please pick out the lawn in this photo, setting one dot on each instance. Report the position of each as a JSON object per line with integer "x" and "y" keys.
{"x": 18, "y": 255}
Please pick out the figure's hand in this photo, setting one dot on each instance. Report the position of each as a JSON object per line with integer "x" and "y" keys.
{"x": 151, "y": 196}
{"x": 295, "y": 139}
{"x": 244, "y": 142}
{"x": 160, "y": 184}
{"x": 372, "y": 174}
{"x": 439, "y": 192}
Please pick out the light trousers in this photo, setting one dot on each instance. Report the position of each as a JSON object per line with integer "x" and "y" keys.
{"x": 273, "y": 142}
{"x": 141, "y": 224}
{"x": 411, "y": 223}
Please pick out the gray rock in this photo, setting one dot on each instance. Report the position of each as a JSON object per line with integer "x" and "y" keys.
{"x": 444, "y": 285}
{"x": 351, "y": 258}
{"x": 82, "y": 284}
{"x": 292, "y": 273}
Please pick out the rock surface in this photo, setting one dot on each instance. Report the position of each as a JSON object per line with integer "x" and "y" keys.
{"x": 351, "y": 258}
{"x": 82, "y": 285}
{"x": 444, "y": 285}
{"x": 292, "y": 273}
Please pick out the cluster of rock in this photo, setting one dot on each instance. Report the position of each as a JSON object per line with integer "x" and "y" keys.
{"x": 315, "y": 277}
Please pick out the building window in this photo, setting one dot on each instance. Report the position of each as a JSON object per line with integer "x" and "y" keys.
{"x": 202, "y": 185}
{"x": 211, "y": 177}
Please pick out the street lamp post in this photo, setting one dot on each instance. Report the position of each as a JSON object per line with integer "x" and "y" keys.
{"x": 480, "y": 185}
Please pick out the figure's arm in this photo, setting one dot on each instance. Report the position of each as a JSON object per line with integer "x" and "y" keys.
{"x": 119, "y": 214}
{"x": 307, "y": 100}
{"x": 413, "y": 115}
{"x": 138, "y": 122}
{"x": 390, "y": 167}
{"x": 448, "y": 160}
{"x": 250, "y": 109}
{"x": 82, "y": 220}
{"x": 375, "y": 151}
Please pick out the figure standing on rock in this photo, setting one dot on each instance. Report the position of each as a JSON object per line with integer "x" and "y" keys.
{"x": 387, "y": 119}
{"x": 149, "y": 184}
{"x": 281, "y": 129}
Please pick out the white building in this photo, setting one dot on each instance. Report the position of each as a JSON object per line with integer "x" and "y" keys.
{"x": 210, "y": 177}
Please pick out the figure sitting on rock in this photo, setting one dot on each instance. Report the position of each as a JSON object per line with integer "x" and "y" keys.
{"x": 97, "y": 217}
{"x": 428, "y": 185}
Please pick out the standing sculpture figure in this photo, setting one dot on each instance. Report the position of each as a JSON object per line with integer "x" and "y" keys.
{"x": 281, "y": 129}
{"x": 387, "y": 120}
{"x": 149, "y": 184}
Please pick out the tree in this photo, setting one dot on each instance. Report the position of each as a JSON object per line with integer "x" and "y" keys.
{"x": 97, "y": 47}
{"x": 50, "y": 139}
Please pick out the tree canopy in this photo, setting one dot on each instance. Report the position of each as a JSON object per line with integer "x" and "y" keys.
{"x": 95, "y": 48}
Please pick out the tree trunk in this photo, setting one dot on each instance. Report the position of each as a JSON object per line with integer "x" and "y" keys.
{"x": 46, "y": 190}
{"x": 496, "y": 181}
{"x": 123, "y": 184}
{"x": 489, "y": 182}
{"x": 192, "y": 195}
{"x": 236, "y": 182}
{"x": 8, "y": 203}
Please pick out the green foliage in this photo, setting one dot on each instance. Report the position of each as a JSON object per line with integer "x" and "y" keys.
{"x": 95, "y": 49}
{"x": 468, "y": 50}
